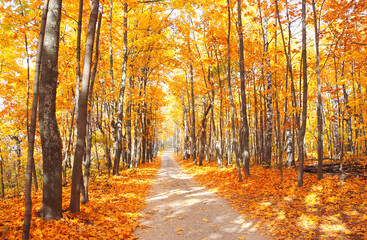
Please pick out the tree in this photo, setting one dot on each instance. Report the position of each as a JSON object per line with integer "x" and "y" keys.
{"x": 320, "y": 147}
{"x": 76, "y": 183}
{"x": 234, "y": 142}
{"x": 302, "y": 130}
{"x": 50, "y": 135}
{"x": 245, "y": 146}
{"x": 32, "y": 131}
{"x": 118, "y": 123}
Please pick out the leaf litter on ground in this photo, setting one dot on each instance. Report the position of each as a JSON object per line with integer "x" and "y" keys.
{"x": 111, "y": 213}
{"x": 325, "y": 209}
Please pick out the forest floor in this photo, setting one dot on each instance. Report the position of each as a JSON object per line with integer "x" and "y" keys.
{"x": 113, "y": 211}
{"x": 179, "y": 208}
{"x": 325, "y": 209}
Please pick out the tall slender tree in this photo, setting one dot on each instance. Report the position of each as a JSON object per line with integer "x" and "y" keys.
{"x": 76, "y": 183}
{"x": 32, "y": 128}
{"x": 234, "y": 142}
{"x": 245, "y": 144}
{"x": 320, "y": 146}
{"x": 302, "y": 130}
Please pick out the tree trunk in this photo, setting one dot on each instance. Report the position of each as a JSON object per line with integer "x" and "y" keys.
{"x": 302, "y": 131}
{"x": 128, "y": 127}
{"x": 78, "y": 50}
{"x": 186, "y": 126}
{"x": 348, "y": 119}
{"x": 88, "y": 157}
{"x": 203, "y": 135}
{"x": 234, "y": 142}
{"x": 269, "y": 105}
{"x": 50, "y": 135}
{"x": 193, "y": 137}
{"x": 289, "y": 139}
{"x": 27, "y": 101}
{"x": 76, "y": 184}
{"x": 320, "y": 146}
{"x": 2, "y": 177}
{"x": 220, "y": 145}
{"x": 120, "y": 104}
{"x": 244, "y": 126}
{"x": 32, "y": 129}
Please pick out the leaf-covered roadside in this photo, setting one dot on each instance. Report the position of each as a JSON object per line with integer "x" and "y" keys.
{"x": 112, "y": 213}
{"x": 326, "y": 209}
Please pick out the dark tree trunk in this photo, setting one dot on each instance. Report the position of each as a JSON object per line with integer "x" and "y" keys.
{"x": 49, "y": 131}
{"x": 120, "y": 104}
{"x": 88, "y": 157}
{"x": 302, "y": 130}
{"x": 32, "y": 129}
{"x": 2, "y": 177}
{"x": 203, "y": 135}
{"x": 244, "y": 123}
{"x": 76, "y": 183}
{"x": 193, "y": 136}
{"x": 320, "y": 147}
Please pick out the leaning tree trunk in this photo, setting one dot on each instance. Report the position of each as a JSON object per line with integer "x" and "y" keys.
{"x": 88, "y": 157}
{"x": 76, "y": 183}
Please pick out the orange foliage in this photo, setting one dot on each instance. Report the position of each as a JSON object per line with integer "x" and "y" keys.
{"x": 322, "y": 209}
{"x": 112, "y": 212}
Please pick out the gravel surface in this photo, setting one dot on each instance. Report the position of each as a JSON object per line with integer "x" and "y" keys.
{"x": 179, "y": 208}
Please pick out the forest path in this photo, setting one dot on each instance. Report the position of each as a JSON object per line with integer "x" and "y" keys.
{"x": 179, "y": 208}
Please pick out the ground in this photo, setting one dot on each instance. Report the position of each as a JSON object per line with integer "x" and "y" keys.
{"x": 179, "y": 208}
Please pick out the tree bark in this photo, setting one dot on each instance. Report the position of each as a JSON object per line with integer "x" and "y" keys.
{"x": 244, "y": 126}
{"x": 193, "y": 136}
{"x": 302, "y": 130}
{"x": 220, "y": 145}
{"x": 32, "y": 129}
{"x": 128, "y": 127}
{"x": 88, "y": 160}
{"x": 2, "y": 177}
{"x": 234, "y": 142}
{"x": 50, "y": 135}
{"x": 289, "y": 140}
{"x": 186, "y": 126}
{"x": 76, "y": 184}
{"x": 203, "y": 135}
{"x": 320, "y": 146}
{"x": 120, "y": 103}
